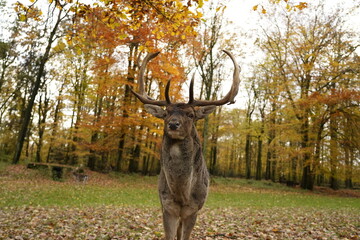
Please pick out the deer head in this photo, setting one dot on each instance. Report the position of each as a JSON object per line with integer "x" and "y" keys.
{"x": 179, "y": 117}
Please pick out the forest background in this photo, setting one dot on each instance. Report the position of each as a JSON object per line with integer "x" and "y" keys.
{"x": 67, "y": 68}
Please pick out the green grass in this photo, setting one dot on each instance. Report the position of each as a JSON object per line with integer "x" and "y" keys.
{"x": 243, "y": 193}
{"x": 33, "y": 188}
{"x": 278, "y": 199}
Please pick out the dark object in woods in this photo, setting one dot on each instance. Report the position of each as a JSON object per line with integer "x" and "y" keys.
{"x": 58, "y": 170}
{"x": 57, "y": 173}
{"x": 291, "y": 183}
{"x": 79, "y": 175}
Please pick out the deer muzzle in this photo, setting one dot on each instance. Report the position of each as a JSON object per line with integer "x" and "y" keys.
{"x": 174, "y": 125}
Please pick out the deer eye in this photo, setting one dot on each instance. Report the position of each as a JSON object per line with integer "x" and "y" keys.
{"x": 190, "y": 115}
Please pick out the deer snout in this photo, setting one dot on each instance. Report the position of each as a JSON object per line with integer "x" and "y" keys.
{"x": 174, "y": 125}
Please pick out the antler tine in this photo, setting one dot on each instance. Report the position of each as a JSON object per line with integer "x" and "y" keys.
{"x": 229, "y": 97}
{"x": 142, "y": 96}
{"x": 191, "y": 90}
{"x": 167, "y": 88}
{"x": 142, "y": 71}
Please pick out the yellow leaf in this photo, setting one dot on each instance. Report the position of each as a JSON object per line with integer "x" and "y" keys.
{"x": 200, "y": 3}
{"x": 78, "y": 51}
{"x": 22, "y": 17}
{"x": 60, "y": 46}
{"x": 302, "y": 5}
{"x": 69, "y": 41}
{"x": 263, "y": 11}
{"x": 122, "y": 36}
{"x": 255, "y": 7}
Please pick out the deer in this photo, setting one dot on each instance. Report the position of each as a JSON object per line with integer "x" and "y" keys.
{"x": 183, "y": 182}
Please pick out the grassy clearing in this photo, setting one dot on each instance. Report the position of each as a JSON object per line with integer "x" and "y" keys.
{"x": 22, "y": 187}
{"x": 243, "y": 193}
{"x": 116, "y": 206}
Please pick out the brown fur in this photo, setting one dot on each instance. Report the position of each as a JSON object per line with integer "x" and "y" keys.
{"x": 184, "y": 179}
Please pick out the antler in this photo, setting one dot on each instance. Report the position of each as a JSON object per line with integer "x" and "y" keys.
{"x": 142, "y": 96}
{"x": 229, "y": 97}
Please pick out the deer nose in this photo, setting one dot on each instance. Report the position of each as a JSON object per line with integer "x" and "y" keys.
{"x": 174, "y": 125}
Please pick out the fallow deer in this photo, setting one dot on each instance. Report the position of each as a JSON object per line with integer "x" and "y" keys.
{"x": 184, "y": 179}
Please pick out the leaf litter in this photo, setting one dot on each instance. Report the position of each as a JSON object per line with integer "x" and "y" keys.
{"x": 116, "y": 222}
{"x": 131, "y": 222}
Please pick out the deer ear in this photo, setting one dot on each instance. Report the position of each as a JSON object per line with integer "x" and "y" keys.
{"x": 202, "y": 112}
{"x": 155, "y": 110}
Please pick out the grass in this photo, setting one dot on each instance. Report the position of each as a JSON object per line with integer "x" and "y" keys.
{"x": 23, "y": 187}
{"x": 118, "y": 206}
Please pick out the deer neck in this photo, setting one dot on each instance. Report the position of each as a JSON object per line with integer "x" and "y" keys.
{"x": 178, "y": 150}
{"x": 181, "y": 149}
{"x": 179, "y": 165}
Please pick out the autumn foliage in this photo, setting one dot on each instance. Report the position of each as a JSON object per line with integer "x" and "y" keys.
{"x": 67, "y": 70}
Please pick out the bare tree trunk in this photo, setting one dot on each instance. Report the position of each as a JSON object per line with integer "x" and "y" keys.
{"x": 214, "y": 141}
{"x": 334, "y": 181}
{"x": 132, "y": 65}
{"x": 42, "y": 112}
{"x": 55, "y": 124}
{"x": 248, "y": 156}
{"x": 307, "y": 181}
{"x": 348, "y": 155}
{"x": 258, "y": 174}
{"x": 259, "y": 159}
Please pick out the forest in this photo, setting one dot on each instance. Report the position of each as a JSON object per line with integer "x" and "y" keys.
{"x": 68, "y": 67}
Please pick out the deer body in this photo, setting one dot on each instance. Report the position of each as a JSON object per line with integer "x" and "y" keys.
{"x": 184, "y": 178}
{"x": 183, "y": 185}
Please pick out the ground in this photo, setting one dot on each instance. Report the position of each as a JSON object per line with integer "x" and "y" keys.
{"x": 126, "y": 207}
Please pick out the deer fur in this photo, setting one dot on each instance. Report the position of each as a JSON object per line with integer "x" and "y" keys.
{"x": 184, "y": 179}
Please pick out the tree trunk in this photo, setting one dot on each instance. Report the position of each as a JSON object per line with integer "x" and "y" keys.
{"x": 307, "y": 181}
{"x": 348, "y": 155}
{"x": 214, "y": 142}
{"x": 132, "y": 65}
{"x": 35, "y": 90}
{"x": 138, "y": 135}
{"x": 334, "y": 181}
{"x": 119, "y": 159}
{"x": 270, "y": 155}
{"x": 55, "y": 124}
{"x": 42, "y": 112}
{"x": 248, "y": 156}
{"x": 259, "y": 159}
{"x": 258, "y": 174}
{"x": 134, "y": 161}
{"x": 349, "y": 162}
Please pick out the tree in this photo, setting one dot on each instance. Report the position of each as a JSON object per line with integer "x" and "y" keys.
{"x": 59, "y": 12}
{"x": 210, "y": 64}
{"x": 131, "y": 27}
{"x": 300, "y": 57}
